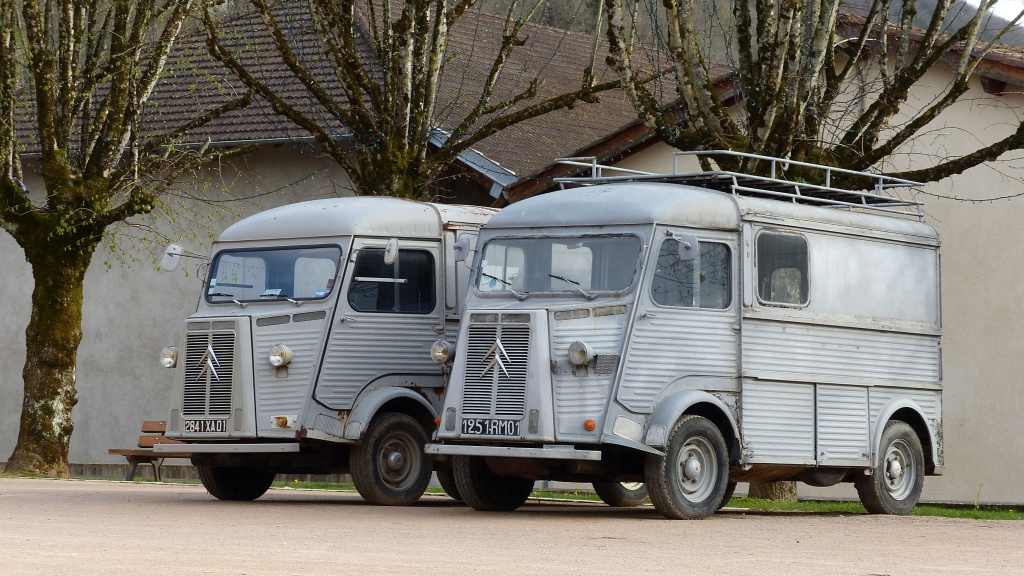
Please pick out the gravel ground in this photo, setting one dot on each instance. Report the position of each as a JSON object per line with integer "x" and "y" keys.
{"x": 73, "y": 527}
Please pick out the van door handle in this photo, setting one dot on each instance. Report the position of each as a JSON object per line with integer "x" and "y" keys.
{"x": 346, "y": 318}
{"x": 649, "y": 315}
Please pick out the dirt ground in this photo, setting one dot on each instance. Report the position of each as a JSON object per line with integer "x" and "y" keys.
{"x": 68, "y": 527}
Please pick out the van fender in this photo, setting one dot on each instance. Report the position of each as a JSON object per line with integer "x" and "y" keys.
{"x": 886, "y": 413}
{"x": 367, "y": 406}
{"x": 660, "y": 423}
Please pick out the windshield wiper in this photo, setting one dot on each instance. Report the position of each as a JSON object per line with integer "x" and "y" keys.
{"x": 281, "y": 297}
{"x": 575, "y": 284}
{"x": 225, "y": 295}
{"x": 519, "y": 295}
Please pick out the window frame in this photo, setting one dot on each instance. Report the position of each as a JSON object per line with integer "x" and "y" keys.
{"x": 757, "y": 269}
{"x": 433, "y": 281}
{"x": 731, "y": 267}
{"x": 215, "y": 262}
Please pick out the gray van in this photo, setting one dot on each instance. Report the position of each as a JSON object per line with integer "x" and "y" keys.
{"x": 692, "y": 331}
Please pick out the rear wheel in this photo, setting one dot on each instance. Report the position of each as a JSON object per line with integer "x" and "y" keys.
{"x": 690, "y": 480}
{"x": 621, "y": 494}
{"x": 389, "y": 467}
{"x": 446, "y": 478}
{"x": 898, "y": 478}
{"x": 484, "y": 490}
{"x": 229, "y": 483}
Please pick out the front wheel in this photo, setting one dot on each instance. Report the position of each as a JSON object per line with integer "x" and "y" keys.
{"x": 389, "y": 466}
{"x": 484, "y": 490}
{"x": 689, "y": 482}
{"x": 898, "y": 478}
{"x": 621, "y": 494}
{"x": 231, "y": 483}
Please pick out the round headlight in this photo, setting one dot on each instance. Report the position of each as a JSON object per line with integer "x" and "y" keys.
{"x": 280, "y": 355}
{"x": 169, "y": 357}
{"x": 439, "y": 352}
{"x": 580, "y": 353}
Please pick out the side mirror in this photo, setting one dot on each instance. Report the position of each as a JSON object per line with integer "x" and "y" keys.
{"x": 461, "y": 248}
{"x": 391, "y": 251}
{"x": 171, "y": 258}
{"x": 687, "y": 246}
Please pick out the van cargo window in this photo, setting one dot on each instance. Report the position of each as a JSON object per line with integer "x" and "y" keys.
{"x": 406, "y": 286}
{"x": 579, "y": 264}
{"x": 705, "y": 282}
{"x": 299, "y": 273}
{"x": 782, "y": 269}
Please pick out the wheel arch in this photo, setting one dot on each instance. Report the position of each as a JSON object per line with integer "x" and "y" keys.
{"x": 389, "y": 399}
{"x": 908, "y": 411}
{"x": 696, "y": 402}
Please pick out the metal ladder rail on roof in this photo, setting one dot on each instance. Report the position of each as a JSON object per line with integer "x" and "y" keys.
{"x": 772, "y": 186}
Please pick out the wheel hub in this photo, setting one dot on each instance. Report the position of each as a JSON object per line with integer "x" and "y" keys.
{"x": 692, "y": 468}
{"x": 895, "y": 469}
{"x": 395, "y": 460}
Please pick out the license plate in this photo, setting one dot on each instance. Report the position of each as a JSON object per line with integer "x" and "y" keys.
{"x": 490, "y": 427}
{"x": 206, "y": 426}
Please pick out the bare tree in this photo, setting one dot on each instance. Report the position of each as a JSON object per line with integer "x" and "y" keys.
{"x": 75, "y": 78}
{"x": 808, "y": 81}
{"x": 375, "y": 80}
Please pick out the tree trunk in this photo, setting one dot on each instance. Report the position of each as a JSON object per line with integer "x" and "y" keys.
{"x": 51, "y": 341}
{"x": 785, "y": 491}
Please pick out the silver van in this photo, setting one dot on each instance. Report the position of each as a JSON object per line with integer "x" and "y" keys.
{"x": 309, "y": 350}
{"x": 692, "y": 331}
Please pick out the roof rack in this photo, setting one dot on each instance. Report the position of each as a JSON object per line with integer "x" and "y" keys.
{"x": 775, "y": 186}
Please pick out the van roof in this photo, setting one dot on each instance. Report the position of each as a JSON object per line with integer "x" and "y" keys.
{"x": 362, "y": 215}
{"x": 684, "y": 205}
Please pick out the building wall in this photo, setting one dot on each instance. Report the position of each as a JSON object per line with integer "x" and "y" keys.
{"x": 132, "y": 310}
{"x": 983, "y": 297}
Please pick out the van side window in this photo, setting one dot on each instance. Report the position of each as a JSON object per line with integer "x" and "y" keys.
{"x": 705, "y": 282}
{"x": 782, "y": 269}
{"x": 406, "y": 286}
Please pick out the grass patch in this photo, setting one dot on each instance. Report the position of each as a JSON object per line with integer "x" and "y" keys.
{"x": 845, "y": 507}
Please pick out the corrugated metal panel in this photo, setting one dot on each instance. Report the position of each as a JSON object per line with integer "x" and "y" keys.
{"x": 842, "y": 423}
{"x": 277, "y": 396}
{"x": 778, "y": 422}
{"x": 578, "y": 398}
{"x": 497, "y": 359}
{"x": 209, "y": 374}
{"x": 930, "y": 402}
{"x": 673, "y": 344}
{"x": 844, "y": 354}
{"x": 372, "y": 345}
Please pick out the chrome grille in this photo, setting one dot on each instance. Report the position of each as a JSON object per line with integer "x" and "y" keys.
{"x": 496, "y": 366}
{"x": 209, "y": 371}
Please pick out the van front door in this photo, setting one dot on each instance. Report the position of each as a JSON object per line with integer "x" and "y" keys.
{"x": 685, "y": 333}
{"x": 387, "y": 317}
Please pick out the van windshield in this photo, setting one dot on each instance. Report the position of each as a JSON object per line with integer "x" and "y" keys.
{"x": 271, "y": 274}
{"x": 586, "y": 265}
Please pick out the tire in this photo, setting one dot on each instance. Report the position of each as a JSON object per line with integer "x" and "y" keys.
{"x": 389, "y": 467}
{"x": 486, "y": 491}
{"x": 897, "y": 480}
{"x": 446, "y": 478}
{"x": 690, "y": 480}
{"x": 622, "y": 494}
{"x": 228, "y": 483}
{"x": 730, "y": 489}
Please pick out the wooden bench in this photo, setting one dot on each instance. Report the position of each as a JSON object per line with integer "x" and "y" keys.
{"x": 152, "y": 434}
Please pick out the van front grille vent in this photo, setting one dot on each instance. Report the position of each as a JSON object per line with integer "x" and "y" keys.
{"x": 496, "y": 368}
{"x": 209, "y": 371}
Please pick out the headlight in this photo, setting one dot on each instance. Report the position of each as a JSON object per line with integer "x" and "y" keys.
{"x": 580, "y": 353}
{"x": 280, "y": 355}
{"x": 169, "y": 357}
{"x": 440, "y": 352}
